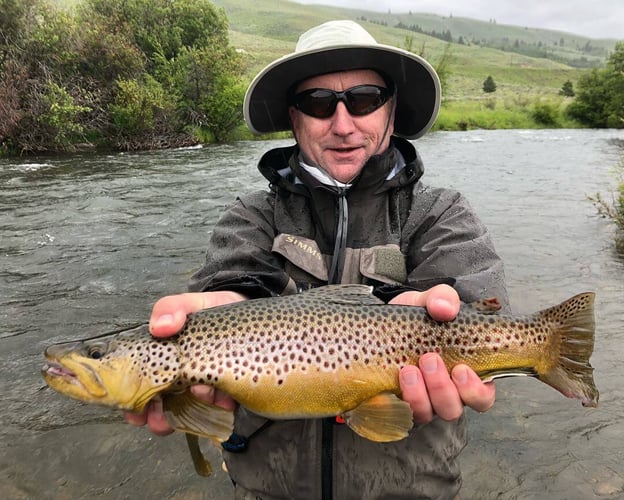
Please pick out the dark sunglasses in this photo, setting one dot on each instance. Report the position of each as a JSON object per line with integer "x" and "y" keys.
{"x": 359, "y": 100}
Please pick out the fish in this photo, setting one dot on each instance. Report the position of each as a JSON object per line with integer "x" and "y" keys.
{"x": 334, "y": 350}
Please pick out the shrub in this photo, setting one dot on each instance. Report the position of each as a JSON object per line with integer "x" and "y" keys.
{"x": 545, "y": 113}
{"x": 61, "y": 115}
{"x": 614, "y": 209}
{"x": 489, "y": 85}
{"x": 137, "y": 105}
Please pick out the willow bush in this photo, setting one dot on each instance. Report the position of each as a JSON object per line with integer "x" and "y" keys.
{"x": 126, "y": 74}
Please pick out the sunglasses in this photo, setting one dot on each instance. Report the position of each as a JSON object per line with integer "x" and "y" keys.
{"x": 359, "y": 100}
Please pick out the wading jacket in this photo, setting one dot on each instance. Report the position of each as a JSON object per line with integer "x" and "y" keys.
{"x": 388, "y": 230}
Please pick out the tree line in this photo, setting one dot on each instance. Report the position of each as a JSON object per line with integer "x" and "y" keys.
{"x": 124, "y": 74}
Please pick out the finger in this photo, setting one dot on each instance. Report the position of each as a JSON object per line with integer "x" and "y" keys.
{"x": 473, "y": 392}
{"x": 211, "y": 395}
{"x": 224, "y": 400}
{"x": 442, "y": 301}
{"x": 169, "y": 313}
{"x": 204, "y": 392}
{"x": 443, "y": 394}
{"x": 156, "y": 420}
{"x": 137, "y": 419}
{"x": 414, "y": 392}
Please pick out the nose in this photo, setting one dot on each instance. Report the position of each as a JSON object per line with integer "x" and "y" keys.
{"x": 342, "y": 120}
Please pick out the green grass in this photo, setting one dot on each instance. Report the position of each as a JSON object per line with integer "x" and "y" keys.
{"x": 267, "y": 29}
{"x": 264, "y": 30}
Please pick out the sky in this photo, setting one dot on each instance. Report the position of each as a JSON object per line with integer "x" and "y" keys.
{"x": 592, "y": 18}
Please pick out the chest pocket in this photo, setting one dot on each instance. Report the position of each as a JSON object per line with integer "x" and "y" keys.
{"x": 384, "y": 263}
{"x": 305, "y": 263}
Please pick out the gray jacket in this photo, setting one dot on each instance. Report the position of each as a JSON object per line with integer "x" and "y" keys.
{"x": 391, "y": 232}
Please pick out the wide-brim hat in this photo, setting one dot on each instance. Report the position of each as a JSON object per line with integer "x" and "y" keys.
{"x": 340, "y": 46}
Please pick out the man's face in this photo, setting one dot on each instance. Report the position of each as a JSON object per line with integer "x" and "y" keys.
{"x": 342, "y": 143}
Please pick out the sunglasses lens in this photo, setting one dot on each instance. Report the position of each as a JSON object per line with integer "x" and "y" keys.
{"x": 319, "y": 103}
{"x": 365, "y": 99}
{"x": 360, "y": 100}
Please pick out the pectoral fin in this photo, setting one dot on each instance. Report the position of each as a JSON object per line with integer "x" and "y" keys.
{"x": 186, "y": 413}
{"x": 382, "y": 418}
{"x": 195, "y": 418}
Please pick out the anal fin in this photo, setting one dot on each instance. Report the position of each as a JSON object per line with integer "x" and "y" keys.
{"x": 382, "y": 418}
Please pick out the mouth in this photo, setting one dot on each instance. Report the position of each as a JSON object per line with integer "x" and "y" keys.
{"x": 56, "y": 370}
{"x": 344, "y": 149}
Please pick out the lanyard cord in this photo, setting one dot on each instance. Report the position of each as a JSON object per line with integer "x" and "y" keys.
{"x": 340, "y": 244}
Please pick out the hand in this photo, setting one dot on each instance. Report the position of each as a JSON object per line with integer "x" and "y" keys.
{"x": 168, "y": 318}
{"x": 428, "y": 387}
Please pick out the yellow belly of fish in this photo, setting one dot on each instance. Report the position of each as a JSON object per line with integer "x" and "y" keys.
{"x": 310, "y": 394}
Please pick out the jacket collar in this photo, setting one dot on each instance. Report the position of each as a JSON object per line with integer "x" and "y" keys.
{"x": 280, "y": 166}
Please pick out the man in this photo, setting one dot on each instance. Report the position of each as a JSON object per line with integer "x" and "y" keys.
{"x": 346, "y": 206}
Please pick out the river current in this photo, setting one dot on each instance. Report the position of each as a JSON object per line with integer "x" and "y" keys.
{"x": 89, "y": 242}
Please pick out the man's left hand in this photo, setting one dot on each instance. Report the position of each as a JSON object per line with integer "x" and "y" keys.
{"x": 428, "y": 387}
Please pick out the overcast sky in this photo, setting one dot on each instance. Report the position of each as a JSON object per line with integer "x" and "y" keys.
{"x": 593, "y": 18}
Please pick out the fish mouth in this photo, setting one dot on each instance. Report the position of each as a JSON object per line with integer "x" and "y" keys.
{"x": 78, "y": 383}
{"x": 57, "y": 370}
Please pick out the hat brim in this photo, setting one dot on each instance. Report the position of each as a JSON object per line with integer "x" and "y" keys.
{"x": 418, "y": 86}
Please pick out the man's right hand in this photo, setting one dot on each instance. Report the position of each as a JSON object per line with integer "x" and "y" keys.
{"x": 167, "y": 319}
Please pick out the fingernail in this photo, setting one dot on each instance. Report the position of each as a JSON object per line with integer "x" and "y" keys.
{"x": 164, "y": 320}
{"x": 430, "y": 364}
{"x": 460, "y": 374}
{"x": 410, "y": 377}
{"x": 443, "y": 303}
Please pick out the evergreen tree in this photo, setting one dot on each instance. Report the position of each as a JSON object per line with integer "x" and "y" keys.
{"x": 489, "y": 85}
{"x": 567, "y": 89}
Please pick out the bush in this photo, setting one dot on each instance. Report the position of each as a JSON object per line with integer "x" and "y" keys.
{"x": 599, "y": 98}
{"x": 545, "y": 113}
{"x": 489, "y": 85}
{"x": 61, "y": 115}
{"x": 137, "y": 106}
{"x": 613, "y": 210}
{"x": 112, "y": 69}
{"x": 567, "y": 89}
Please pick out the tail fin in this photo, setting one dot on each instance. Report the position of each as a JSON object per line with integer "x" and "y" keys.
{"x": 572, "y": 375}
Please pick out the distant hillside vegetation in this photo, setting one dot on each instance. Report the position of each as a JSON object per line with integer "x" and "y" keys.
{"x": 534, "y": 62}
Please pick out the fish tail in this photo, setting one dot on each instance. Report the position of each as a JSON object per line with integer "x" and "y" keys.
{"x": 571, "y": 374}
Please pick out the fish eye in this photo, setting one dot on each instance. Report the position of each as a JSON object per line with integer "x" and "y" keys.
{"x": 95, "y": 352}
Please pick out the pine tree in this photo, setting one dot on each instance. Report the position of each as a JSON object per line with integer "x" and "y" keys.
{"x": 489, "y": 85}
{"x": 567, "y": 89}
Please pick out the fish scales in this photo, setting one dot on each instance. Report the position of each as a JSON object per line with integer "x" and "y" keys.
{"x": 334, "y": 350}
{"x": 274, "y": 360}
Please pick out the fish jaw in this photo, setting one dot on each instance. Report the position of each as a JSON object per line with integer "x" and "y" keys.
{"x": 113, "y": 380}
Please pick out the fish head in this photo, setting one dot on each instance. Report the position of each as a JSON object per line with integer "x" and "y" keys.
{"x": 124, "y": 371}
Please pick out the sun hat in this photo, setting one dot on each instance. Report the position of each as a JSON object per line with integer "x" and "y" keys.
{"x": 340, "y": 46}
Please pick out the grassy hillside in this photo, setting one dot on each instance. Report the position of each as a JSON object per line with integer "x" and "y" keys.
{"x": 266, "y": 29}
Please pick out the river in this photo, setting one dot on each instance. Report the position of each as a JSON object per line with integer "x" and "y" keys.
{"x": 89, "y": 242}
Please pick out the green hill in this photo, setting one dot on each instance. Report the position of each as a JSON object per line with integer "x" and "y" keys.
{"x": 266, "y": 29}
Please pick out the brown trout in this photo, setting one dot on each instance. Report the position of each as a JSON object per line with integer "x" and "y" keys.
{"x": 332, "y": 351}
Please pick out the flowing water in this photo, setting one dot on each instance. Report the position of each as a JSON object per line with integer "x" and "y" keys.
{"x": 89, "y": 242}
